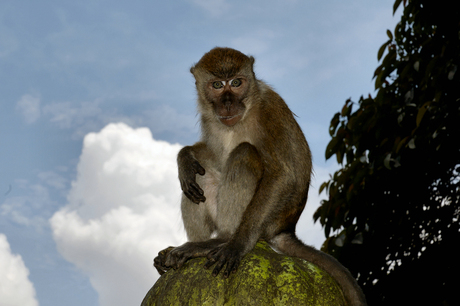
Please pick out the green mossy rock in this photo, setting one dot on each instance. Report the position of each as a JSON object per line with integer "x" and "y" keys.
{"x": 263, "y": 278}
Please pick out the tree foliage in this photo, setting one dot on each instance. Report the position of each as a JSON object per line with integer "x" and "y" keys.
{"x": 392, "y": 212}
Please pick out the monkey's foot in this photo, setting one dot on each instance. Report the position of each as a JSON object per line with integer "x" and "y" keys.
{"x": 176, "y": 257}
{"x": 225, "y": 254}
{"x": 160, "y": 261}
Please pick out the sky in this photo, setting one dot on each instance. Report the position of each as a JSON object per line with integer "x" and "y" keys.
{"x": 96, "y": 99}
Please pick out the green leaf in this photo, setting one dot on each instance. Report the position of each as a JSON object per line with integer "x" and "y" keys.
{"x": 339, "y": 156}
{"x": 331, "y": 147}
{"x": 421, "y": 112}
{"x": 382, "y": 50}
{"x": 350, "y": 156}
{"x": 344, "y": 110}
{"x": 377, "y": 71}
{"x": 350, "y": 192}
{"x": 378, "y": 81}
{"x": 411, "y": 143}
{"x": 396, "y": 5}
{"x": 386, "y": 161}
{"x": 438, "y": 96}
{"x": 401, "y": 143}
{"x": 327, "y": 230}
{"x": 390, "y": 35}
{"x": 323, "y": 185}
{"x": 334, "y": 123}
{"x": 407, "y": 69}
{"x": 388, "y": 66}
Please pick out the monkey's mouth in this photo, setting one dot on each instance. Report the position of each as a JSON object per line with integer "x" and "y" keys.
{"x": 230, "y": 120}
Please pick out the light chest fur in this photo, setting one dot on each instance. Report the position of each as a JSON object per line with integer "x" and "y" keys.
{"x": 225, "y": 139}
{"x": 222, "y": 140}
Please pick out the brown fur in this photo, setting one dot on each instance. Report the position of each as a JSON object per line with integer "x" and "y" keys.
{"x": 223, "y": 62}
{"x": 254, "y": 168}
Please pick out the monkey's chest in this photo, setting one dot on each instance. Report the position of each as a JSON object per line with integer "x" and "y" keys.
{"x": 229, "y": 141}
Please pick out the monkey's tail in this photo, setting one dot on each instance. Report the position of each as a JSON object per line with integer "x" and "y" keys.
{"x": 289, "y": 244}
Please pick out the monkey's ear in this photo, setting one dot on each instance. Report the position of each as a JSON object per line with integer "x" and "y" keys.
{"x": 252, "y": 60}
{"x": 192, "y": 69}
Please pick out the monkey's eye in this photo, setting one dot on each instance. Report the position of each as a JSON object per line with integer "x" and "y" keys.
{"x": 217, "y": 84}
{"x": 235, "y": 82}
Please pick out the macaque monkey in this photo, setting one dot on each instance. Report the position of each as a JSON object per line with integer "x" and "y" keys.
{"x": 247, "y": 179}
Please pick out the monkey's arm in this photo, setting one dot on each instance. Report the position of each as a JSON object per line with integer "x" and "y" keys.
{"x": 188, "y": 168}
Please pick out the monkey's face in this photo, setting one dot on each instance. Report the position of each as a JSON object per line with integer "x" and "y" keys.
{"x": 228, "y": 98}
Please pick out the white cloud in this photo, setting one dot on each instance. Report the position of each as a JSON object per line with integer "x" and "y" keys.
{"x": 16, "y": 288}
{"x": 123, "y": 208}
{"x": 29, "y": 107}
{"x": 30, "y": 207}
{"x": 53, "y": 179}
{"x": 67, "y": 114}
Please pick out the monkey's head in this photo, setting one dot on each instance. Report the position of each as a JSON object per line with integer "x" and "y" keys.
{"x": 224, "y": 80}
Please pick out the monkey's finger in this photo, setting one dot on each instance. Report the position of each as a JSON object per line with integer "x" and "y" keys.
{"x": 181, "y": 262}
{"x": 197, "y": 197}
{"x": 219, "y": 266}
{"x": 198, "y": 168}
{"x": 231, "y": 268}
{"x": 197, "y": 188}
{"x": 212, "y": 254}
{"x": 191, "y": 197}
{"x": 170, "y": 260}
{"x": 220, "y": 263}
{"x": 194, "y": 197}
{"x": 209, "y": 263}
{"x": 160, "y": 266}
{"x": 165, "y": 252}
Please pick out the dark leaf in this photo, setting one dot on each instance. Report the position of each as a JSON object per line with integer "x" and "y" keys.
{"x": 396, "y": 5}
{"x": 323, "y": 185}
{"x": 331, "y": 147}
{"x": 390, "y": 35}
{"x": 382, "y": 50}
{"x": 421, "y": 112}
{"x": 334, "y": 123}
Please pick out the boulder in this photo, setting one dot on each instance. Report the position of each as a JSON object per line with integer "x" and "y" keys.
{"x": 263, "y": 278}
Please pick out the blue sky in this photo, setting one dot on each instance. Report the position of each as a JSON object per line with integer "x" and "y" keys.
{"x": 97, "y": 99}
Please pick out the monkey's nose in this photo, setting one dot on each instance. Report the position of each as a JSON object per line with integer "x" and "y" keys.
{"x": 228, "y": 104}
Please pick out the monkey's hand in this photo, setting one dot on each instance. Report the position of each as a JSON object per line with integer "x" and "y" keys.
{"x": 187, "y": 172}
{"x": 160, "y": 261}
{"x": 228, "y": 254}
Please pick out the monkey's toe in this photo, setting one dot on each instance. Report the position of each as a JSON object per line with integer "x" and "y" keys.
{"x": 159, "y": 262}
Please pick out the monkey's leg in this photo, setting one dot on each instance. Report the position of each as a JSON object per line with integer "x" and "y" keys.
{"x": 198, "y": 223}
{"x": 289, "y": 244}
{"x": 240, "y": 178}
{"x": 199, "y": 218}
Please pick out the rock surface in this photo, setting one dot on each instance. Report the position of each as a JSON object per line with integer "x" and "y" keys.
{"x": 263, "y": 278}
